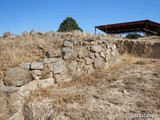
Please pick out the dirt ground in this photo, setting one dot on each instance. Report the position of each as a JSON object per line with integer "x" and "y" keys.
{"x": 127, "y": 90}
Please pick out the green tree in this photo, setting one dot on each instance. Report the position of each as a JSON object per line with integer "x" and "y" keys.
{"x": 133, "y": 36}
{"x": 69, "y": 24}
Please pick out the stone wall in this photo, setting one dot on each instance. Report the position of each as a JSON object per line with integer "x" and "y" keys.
{"x": 73, "y": 58}
{"x": 141, "y": 48}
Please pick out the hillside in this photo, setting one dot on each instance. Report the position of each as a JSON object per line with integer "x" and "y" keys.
{"x": 78, "y": 76}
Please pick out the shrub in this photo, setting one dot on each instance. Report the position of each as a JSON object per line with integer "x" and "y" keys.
{"x": 69, "y": 24}
{"x": 133, "y": 36}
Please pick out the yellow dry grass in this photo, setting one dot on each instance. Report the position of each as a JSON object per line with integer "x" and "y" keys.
{"x": 13, "y": 52}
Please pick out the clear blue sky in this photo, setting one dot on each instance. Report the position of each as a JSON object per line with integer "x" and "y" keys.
{"x": 17, "y": 16}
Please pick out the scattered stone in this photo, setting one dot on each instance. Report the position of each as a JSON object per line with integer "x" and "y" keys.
{"x": 49, "y": 34}
{"x": 33, "y": 32}
{"x": 17, "y": 76}
{"x": 12, "y": 36}
{"x": 25, "y": 33}
{"x": 37, "y": 66}
{"x": 6, "y": 34}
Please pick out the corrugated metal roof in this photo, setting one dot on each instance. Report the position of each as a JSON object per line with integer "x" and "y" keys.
{"x": 147, "y": 26}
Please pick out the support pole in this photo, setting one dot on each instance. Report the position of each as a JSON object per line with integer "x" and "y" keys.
{"x": 95, "y": 30}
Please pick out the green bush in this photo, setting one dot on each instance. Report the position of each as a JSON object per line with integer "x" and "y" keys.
{"x": 69, "y": 24}
{"x": 133, "y": 36}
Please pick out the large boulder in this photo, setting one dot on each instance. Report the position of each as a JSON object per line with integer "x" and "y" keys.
{"x": 17, "y": 76}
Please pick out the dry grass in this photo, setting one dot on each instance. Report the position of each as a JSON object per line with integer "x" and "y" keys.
{"x": 59, "y": 98}
{"x": 13, "y": 52}
{"x": 125, "y": 60}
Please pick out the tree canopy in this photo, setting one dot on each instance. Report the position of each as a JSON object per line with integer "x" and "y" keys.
{"x": 133, "y": 36}
{"x": 69, "y": 24}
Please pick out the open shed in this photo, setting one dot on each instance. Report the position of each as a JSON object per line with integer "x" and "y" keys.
{"x": 146, "y": 26}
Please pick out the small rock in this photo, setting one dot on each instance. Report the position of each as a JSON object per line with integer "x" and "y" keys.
{"x": 12, "y": 36}
{"x": 10, "y": 89}
{"x": 88, "y": 61}
{"x": 107, "y": 58}
{"x": 26, "y": 65}
{"x": 84, "y": 44}
{"x": 68, "y": 53}
{"x": 52, "y": 53}
{"x": 82, "y": 52}
{"x": 37, "y": 66}
{"x": 59, "y": 66}
{"x": 125, "y": 92}
{"x": 90, "y": 69}
{"x": 6, "y": 34}
{"x": 96, "y": 48}
{"x": 25, "y": 33}
{"x": 102, "y": 54}
{"x": 113, "y": 47}
{"x": 46, "y": 83}
{"x": 98, "y": 63}
{"x": 96, "y": 55}
{"x": 36, "y": 74}
{"x": 33, "y": 32}
{"x": 49, "y": 60}
{"x": 73, "y": 66}
{"x": 92, "y": 56}
{"x": 68, "y": 43}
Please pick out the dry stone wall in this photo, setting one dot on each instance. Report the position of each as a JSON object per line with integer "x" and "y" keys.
{"x": 141, "y": 48}
{"x": 73, "y": 58}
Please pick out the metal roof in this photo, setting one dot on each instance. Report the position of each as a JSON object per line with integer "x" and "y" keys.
{"x": 146, "y": 26}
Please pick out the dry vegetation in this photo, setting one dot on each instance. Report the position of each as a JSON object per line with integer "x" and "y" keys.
{"x": 129, "y": 87}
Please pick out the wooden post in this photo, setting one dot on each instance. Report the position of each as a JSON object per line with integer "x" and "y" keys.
{"x": 95, "y": 30}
